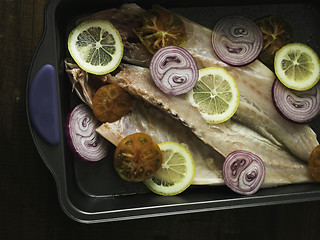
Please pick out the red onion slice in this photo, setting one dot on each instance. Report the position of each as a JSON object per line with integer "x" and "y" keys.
{"x": 237, "y": 40}
{"x": 174, "y": 70}
{"x": 243, "y": 172}
{"x": 296, "y": 106}
{"x": 82, "y": 137}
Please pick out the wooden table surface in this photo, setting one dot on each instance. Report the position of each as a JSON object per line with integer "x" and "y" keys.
{"x": 29, "y": 206}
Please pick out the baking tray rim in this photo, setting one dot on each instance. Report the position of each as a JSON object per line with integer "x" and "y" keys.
{"x": 80, "y": 215}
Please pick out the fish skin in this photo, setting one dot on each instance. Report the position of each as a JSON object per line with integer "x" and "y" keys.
{"x": 81, "y": 84}
{"x": 208, "y": 163}
{"x": 125, "y": 19}
{"x": 281, "y": 166}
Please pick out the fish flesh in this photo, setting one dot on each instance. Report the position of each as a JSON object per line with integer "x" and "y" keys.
{"x": 225, "y": 137}
{"x": 208, "y": 162}
{"x": 162, "y": 127}
{"x": 147, "y": 119}
{"x": 256, "y": 109}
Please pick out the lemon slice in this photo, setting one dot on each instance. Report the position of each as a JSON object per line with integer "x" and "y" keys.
{"x": 96, "y": 46}
{"x": 297, "y": 66}
{"x": 216, "y": 95}
{"x": 176, "y": 173}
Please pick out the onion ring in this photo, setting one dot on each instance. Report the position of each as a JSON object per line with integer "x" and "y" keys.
{"x": 236, "y": 40}
{"x": 296, "y": 106}
{"x": 82, "y": 137}
{"x": 243, "y": 172}
{"x": 174, "y": 70}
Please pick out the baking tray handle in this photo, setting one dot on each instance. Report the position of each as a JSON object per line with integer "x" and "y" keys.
{"x": 43, "y": 105}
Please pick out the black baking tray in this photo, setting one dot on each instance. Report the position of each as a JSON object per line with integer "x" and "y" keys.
{"x": 92, "y": 192}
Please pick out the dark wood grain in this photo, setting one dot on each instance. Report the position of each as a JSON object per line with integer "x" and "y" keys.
{"x": 29, "y": 207}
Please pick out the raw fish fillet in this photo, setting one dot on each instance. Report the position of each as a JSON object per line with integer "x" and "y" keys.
{"x": 256, "y": 109}
{"x": 161, "y": 127}
{"x": 281, "y": 166}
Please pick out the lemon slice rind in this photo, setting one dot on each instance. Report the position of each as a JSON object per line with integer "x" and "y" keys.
{"x": 297, "y": 49}
{"x": 81, "y": 52}
{"x": 163, "y": 182}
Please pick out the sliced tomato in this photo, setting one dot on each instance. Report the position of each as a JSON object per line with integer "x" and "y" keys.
{"x": 314, "y": 163}
{"x": 110, "y": 103}
{"x": 276, "y": 33}
{"x": 137, "y": 157}
{"x": 159, "y": 29}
